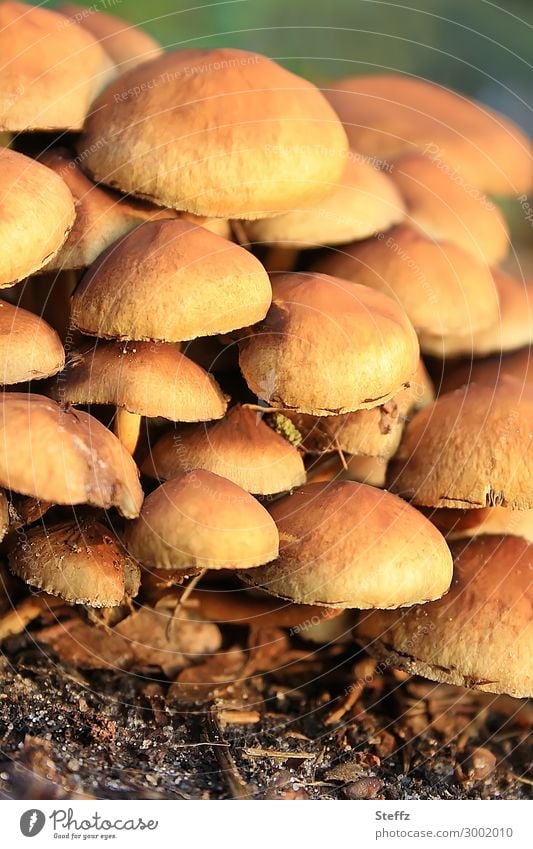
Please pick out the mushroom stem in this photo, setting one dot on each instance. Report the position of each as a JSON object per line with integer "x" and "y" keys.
{"x": 127, "y": 427}
{"x": 5, "y": 139}
{"x": 279, "y": 258}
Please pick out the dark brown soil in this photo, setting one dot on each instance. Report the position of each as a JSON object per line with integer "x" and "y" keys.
{"x": 291, "y": 731}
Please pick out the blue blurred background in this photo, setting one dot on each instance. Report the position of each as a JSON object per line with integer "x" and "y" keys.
{"x": 479, "y": 47}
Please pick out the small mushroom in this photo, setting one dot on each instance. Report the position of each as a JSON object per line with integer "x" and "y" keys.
{"x": 479, "y": 635}
{"x": 29, "y": 348}
{"x": 203, "y": 521}
{"x": 82, "y": 562}
{"x": 344, "y": 544}
{"x": 240, "y": 447}
{"x": 306, "y": 356}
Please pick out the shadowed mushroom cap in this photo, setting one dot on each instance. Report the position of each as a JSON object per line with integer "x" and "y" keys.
{"x": 442, "y": 207}
{"x": 345, "y": 544}
{"x": 479, "y": 635}
{"x": 4, "y": 515}
{"x": 370, "y": 433}
{"x": 458, "y": 524}
{"x": 29, "y": 348}
{"x": 171, "y": 281}
{"x": 471, "y": 448}
{"x": 386, "y": 115}
{"x": 37, "y": 215}
{"x": 363, "y": 202}
{"x": 126, "y": 44}
{"x": 241, "y": 447}
{"x": 81, "y": 562}
{"x": 200, "y": 519}
{"x": 51, "y": 70}
{"x": 328, "y": 346}
{"x": 512, "y": 328}
{"x": 102, "y": 216}
{"x": 64, "y": 456}
{"x": 442, "y": 288}
{"x": 489, "y": 371}
{"x": 223, "y": 133}
{"x": 149, "y": 379}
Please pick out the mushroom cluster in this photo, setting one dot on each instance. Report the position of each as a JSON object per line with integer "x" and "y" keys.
{"x": 277, "y": 350}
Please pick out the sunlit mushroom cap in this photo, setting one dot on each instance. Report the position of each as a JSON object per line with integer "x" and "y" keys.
{"x": 458, "y": 524}
{"x": 369, "y": 433}
{"x": 149, "y": 379}
{"x": 344, "y": 544}
{"x": 443, "y": 289}
{"x": 200, "y": 519}
{"x": 64, "y": 456}
{"x": 512, "y": 328}
{"x": 328, "y": 346}
{"x": 126, "y": 44}
{"x": 29, "y": 348}
{"x": 363, "y": 202}
{"x": 37, "y": 215}
{"x": 51, "y": 70}
{"x": 223, "y": 133}
{"x": 386, "y": 115}
{"x": 80, "y": 561}
{"x": 480, "y": 634}
{"x": 241, "y": 447}
{"x": 471, "y": 448}
{"x": 440, "y": 205}
{"x": 171, "y": 281}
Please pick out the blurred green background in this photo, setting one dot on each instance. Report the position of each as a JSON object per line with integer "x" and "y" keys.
{"x": 479, "y": 47}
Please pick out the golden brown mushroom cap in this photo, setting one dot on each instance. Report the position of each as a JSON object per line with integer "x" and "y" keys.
{"x": 328, "y": 346}
{"x": 363, "y": 202}
{"x": 240, "y": 447}
{"x": 171, "y": 281}
{"x": 80, "y": 561}
{"x": 37, "y": 215}
{"x": 490, "y": 370}
{"x": 50, "y": 72}
{"x": 126, "y": 44}
{"x": 479, "y": 635}
{"x": 29, "y": 348}
{"x": 344, "y": 544}
{"x": 64, "y": 456}
{"x": 445, "y": 210}
{"x": 386, "y": 115}
{"x": 222, "y": 133}
{"x": 443, "y": 289}
{"x": 471, "y": 448}
{"x": 202, "y": 520}
{"x": 147, "y": 378}
{"x": 458, "y": 524}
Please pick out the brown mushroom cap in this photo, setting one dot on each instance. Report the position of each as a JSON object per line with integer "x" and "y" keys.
{"x": 37, "y": 214}
{"x": 4, "y": 515}
{"x": 490, "y": 370}
{"x": 126, "y": 44}
{"x": 479, "y": 635}
{"x": 443, "y": 289}
{"x": 345, "y": 544}
{"x": 470, "y": 448}
{"x": 328, "y": 346}
{"x": 81, "y": 562}
{"x": 64, "y": 456}
{"x": 363, "y": 202}
{"x": 240, "y": 447}
{"x": 370, "y": 433}
{"x": 51, "y": 70}
{"x": 171, "y": 281}
{"x": 29, "y": 348}
{"x": 222, "y": 133}
{"x": 386, "y": 115}
{"x": 445, "y": 210}
{"x": 458, "y": 524}
{"x": 149, "y": 379}
{"x": 200, "y": 519}
{"x": 512, "y": 328}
